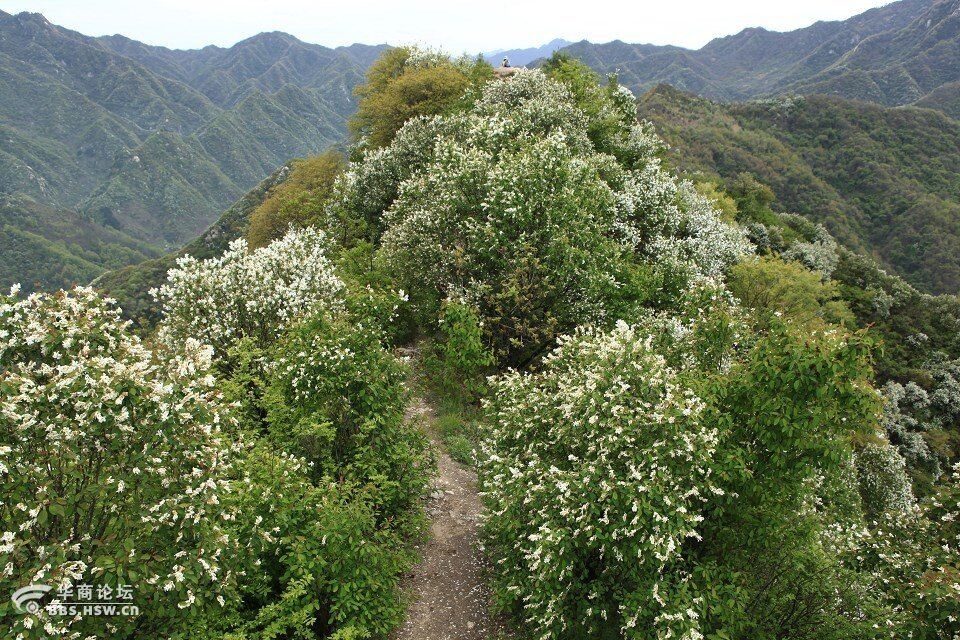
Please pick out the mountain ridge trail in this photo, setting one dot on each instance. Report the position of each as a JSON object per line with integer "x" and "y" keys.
{"x": 447, "y": 591}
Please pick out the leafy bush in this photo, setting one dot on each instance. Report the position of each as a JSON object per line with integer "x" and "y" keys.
{"x": 336, "y": 477}
{"x": 458, "y": 359}
{"x": 326, "y": 564}
{"x": 771, "y": 285}
{"x": 636, "y": 488}
{"x": 114, "y": 469}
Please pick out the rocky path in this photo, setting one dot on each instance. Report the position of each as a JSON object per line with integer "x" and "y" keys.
{"x": 448, "y": 596}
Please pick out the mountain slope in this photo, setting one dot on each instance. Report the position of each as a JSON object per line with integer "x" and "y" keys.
{"x": 46, "y": 248}
{"x": 883, "y": 180}
{"x": 167, "y": 190}
{"x": 895, "y": 55}
{"x": 156, "y": 142}
{"x": 131, "y": 285}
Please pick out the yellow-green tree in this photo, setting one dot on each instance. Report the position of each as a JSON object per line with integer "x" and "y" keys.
{"x": 771, "y": 285}
{"x": 297, "y": 201}
{"x": 406, "y": 82}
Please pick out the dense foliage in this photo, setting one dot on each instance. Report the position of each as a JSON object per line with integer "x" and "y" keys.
{"x": 47, "y": 249}
{"x": 289, "y": 496}
{"x": 297, "y": 201}
{"x": 690, "y": 429}
{"x": 517, "y": 202}
{"x": 883, "y": 181}
{"x": 639, "y": 489}
{"x": 110, "y": 453}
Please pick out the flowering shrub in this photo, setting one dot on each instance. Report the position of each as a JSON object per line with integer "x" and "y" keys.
{"x": 596, "y": 470}
{"x": 907, "y": 417}
{"x": 520, "y": 207}
{"x": 812, "y": 246}
{"x": 639, "y": 486}
{"x": 664, "y": 220}
{"x": 248, "y": 294}
{"x": 114, "y": 470}
{"x": 336, "y": 398}
{"x": 914, "y": 560}
{"x": 539, "y": 245}
{"x": 884, "y": 484}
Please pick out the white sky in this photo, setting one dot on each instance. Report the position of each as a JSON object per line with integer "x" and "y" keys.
{"x": 454, "y": 26}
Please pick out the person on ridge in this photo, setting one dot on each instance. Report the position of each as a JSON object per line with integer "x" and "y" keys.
{"x": 506, "y": 62}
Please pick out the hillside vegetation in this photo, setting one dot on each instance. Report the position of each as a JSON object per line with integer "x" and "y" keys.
{"x": 883, "y": 181}
{"x": 46, "y": 248}
{"x": 155, "y": 142}
{"x": 682, "y": 419}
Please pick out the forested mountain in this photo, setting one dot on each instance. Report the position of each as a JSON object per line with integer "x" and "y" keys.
{"x": 155, "y": 142}
{"x": 885, "y": 181}
{"x": 898, "y": 54}
{"x": 46, "y": 248}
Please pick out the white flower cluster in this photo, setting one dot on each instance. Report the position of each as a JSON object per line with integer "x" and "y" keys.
{"x": 594, "y": 473}
{"x": 109, "y": 454}
{"x": 884, "y": 484}
{"x": 907, "y": 415}
{"x": 654, "y": 213}
{"x": 912, "y": 558}
{"x": 243, "y": 293}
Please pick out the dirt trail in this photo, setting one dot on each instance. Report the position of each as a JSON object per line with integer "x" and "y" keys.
{"x": 448, "y": 596}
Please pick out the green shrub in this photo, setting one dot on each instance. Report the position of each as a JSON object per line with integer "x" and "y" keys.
{"x": 652, "y": 481}
{"x": 337, "y": 399}
{"x": 326, "y": 562}
{"x": 459, "y": 358}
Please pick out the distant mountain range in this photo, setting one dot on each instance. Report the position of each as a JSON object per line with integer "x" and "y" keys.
{"x": 906, "y": 52}
{"x": 148, "y": 144}
{"x": 523, "y": 57}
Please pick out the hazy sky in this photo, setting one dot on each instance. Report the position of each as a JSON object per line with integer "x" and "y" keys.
{"x": 454, "y": 26}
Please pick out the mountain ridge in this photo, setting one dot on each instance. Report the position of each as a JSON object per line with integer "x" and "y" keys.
{"x": 78, "y": 110}
{"x": 895, "y": 54}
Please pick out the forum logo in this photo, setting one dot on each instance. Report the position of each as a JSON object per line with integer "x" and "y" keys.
{"x": 70, "y": 600}
{"x": 27, "y": 599}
